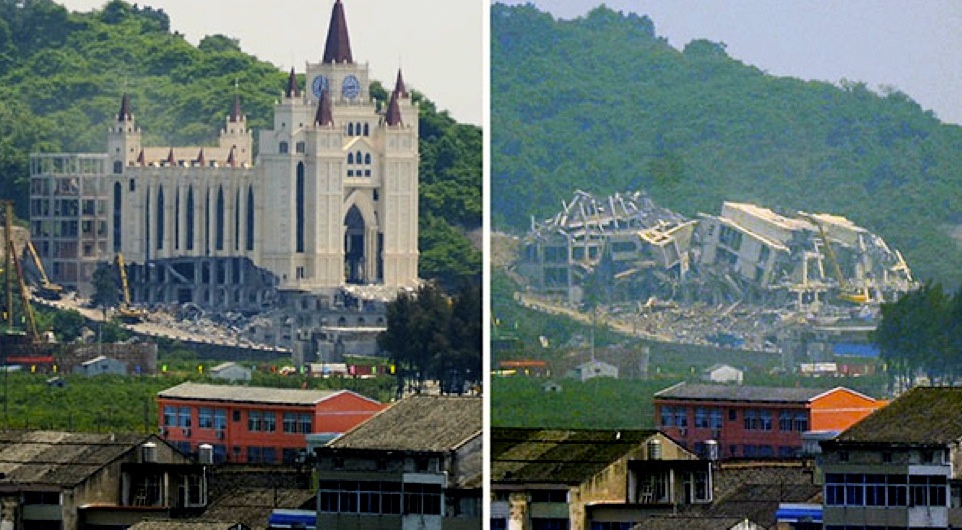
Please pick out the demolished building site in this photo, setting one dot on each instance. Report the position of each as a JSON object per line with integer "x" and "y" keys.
{"x": 625, "y": 252}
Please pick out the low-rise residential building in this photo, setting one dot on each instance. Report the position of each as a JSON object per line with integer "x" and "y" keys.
{"x": 898, "y": 468}
{"x": 84, "y": 481}
{"x": 723, "y": 373}
{"x": 256, "y": 424}
{"x": 593, "y": 368}
{"x": 101, "y": 365}
{"x": 416, "y": 465}
{"x": 590, "y": 479}
{"x": 231, "y": 372}
{"x": 755, "y": 422}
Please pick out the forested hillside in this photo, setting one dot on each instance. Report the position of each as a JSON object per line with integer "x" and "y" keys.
{"x": 62, "y": 75}
{"x": 603, "y": 104}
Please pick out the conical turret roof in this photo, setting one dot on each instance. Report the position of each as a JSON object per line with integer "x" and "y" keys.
{"x": 124, "y": 114}
{"x": 393, "y": 111}
{"x": 291, "y": 91}
{"x": 324, "y": 115}
{"x": 338, "y": 46}
{"x": 235, "y": 110}
{"x": 399, "y": 87}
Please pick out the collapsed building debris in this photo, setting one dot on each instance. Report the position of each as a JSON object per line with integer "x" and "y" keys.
{"x": 748, "y": 278}
{"x": 624, "y": 247}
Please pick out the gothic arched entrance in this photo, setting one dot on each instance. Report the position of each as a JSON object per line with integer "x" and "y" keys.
{"x": 354, "y": 246}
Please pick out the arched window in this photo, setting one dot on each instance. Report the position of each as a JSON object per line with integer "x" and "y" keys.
{"x": 117, "y": 216}
{"x": 207, "y": 222}
{"x": 350, "y": 158}
{"x": 367, "y": 158}
{"x": 147, "y": 224}
{"x": 282, "y": 148}
{"x": 190, "y": 218}
{"x": 366, "y": 131}
{"x": 237, "y": 220}
{"x": 250, "y": 218}
{"x": 176, "y": 219}
{"x": 219, "y": 234}
{"x": 160, "y": 218}
{"x": 350, "y": 129}
{"x": 357, "y": 127}
{"x": 299, "y": 200}
{"x": 358, "y": 157}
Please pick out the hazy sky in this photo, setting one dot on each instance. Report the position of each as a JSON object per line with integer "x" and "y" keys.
{"x": 437, "y": 43}
{"x": 913, "y": 45}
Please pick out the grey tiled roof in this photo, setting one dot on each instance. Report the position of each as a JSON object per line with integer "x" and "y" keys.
{"x": 59, "y": 459}
{"x": 417, "y": 423}
{"x": 247, "y": 394}
{"x": 253, "y": 506}
{"x": 923, "y": 416}
{"x": 558, "y": 456}
{"x": 180, "y": 524}
{"x": 740, "y": 393}
{"x": 687, "y": 522}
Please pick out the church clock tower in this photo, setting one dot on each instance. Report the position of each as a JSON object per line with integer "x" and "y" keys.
{"x": 340, "y": 178}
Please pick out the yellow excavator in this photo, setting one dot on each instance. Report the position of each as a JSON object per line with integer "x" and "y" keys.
{"x": 846, "y": 293}
{"x": 31, "y": 322}
{"x": 48, "y": 289}
{"x": 126, "y": 312}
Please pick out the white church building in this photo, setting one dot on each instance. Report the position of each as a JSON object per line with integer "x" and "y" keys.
{"x": 330, "y": 200}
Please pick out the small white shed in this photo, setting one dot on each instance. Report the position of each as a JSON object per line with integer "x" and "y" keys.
{"x": 594, "y": 368}
{"x": 723, "y": 373}
{"x": 101, "y": 365}
{"x": 231, "y": 372}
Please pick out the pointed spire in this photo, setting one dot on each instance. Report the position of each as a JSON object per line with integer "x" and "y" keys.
{"x": 291, "y": 91}
{"x": 235, "y": 110}
{"x": 171, "y": 161}
{"x": 141, "y": 159}
{"x": 393, "y": 111}
{"x": 338, "y": 46}
{"x": 124, "y": 114}
{"x": 399, "y": 87}
{"x": 231, "y": 160}
{"x": 201, "y": 160}
{"x": 324, "y": 115}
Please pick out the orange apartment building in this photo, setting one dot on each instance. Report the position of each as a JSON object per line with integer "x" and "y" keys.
{"x": 755, "y": 422}
{"x": 254, "y": 424}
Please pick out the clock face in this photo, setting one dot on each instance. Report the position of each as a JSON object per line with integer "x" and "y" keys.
{"x": 351, "y": 87}
{"x": 319, "y": 85}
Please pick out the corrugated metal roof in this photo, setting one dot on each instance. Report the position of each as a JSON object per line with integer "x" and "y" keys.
{"x": 418, "y": 423}
{"x": 247, "y": 394}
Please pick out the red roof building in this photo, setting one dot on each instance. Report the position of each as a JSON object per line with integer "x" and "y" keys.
{"x": 755, "y": 422}
{"x": 255, "y": 424}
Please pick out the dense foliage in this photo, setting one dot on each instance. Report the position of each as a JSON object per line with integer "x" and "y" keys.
{"x": 603, "y": 104}
{"x": 921, "y": 334}
{"x": 62, "y": 75}
{"x": 433, "y": 337}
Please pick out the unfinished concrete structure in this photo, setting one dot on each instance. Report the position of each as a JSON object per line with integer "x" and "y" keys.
{"x": 807, "y": 258}
{"x": 621, "y": 235}
{"x": 626, "y": 248}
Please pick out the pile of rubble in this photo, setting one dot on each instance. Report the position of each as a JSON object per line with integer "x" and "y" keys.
{"x": 737, "y": 279}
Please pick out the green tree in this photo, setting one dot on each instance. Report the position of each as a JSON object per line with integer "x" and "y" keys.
{"x": 106, "y": 287}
